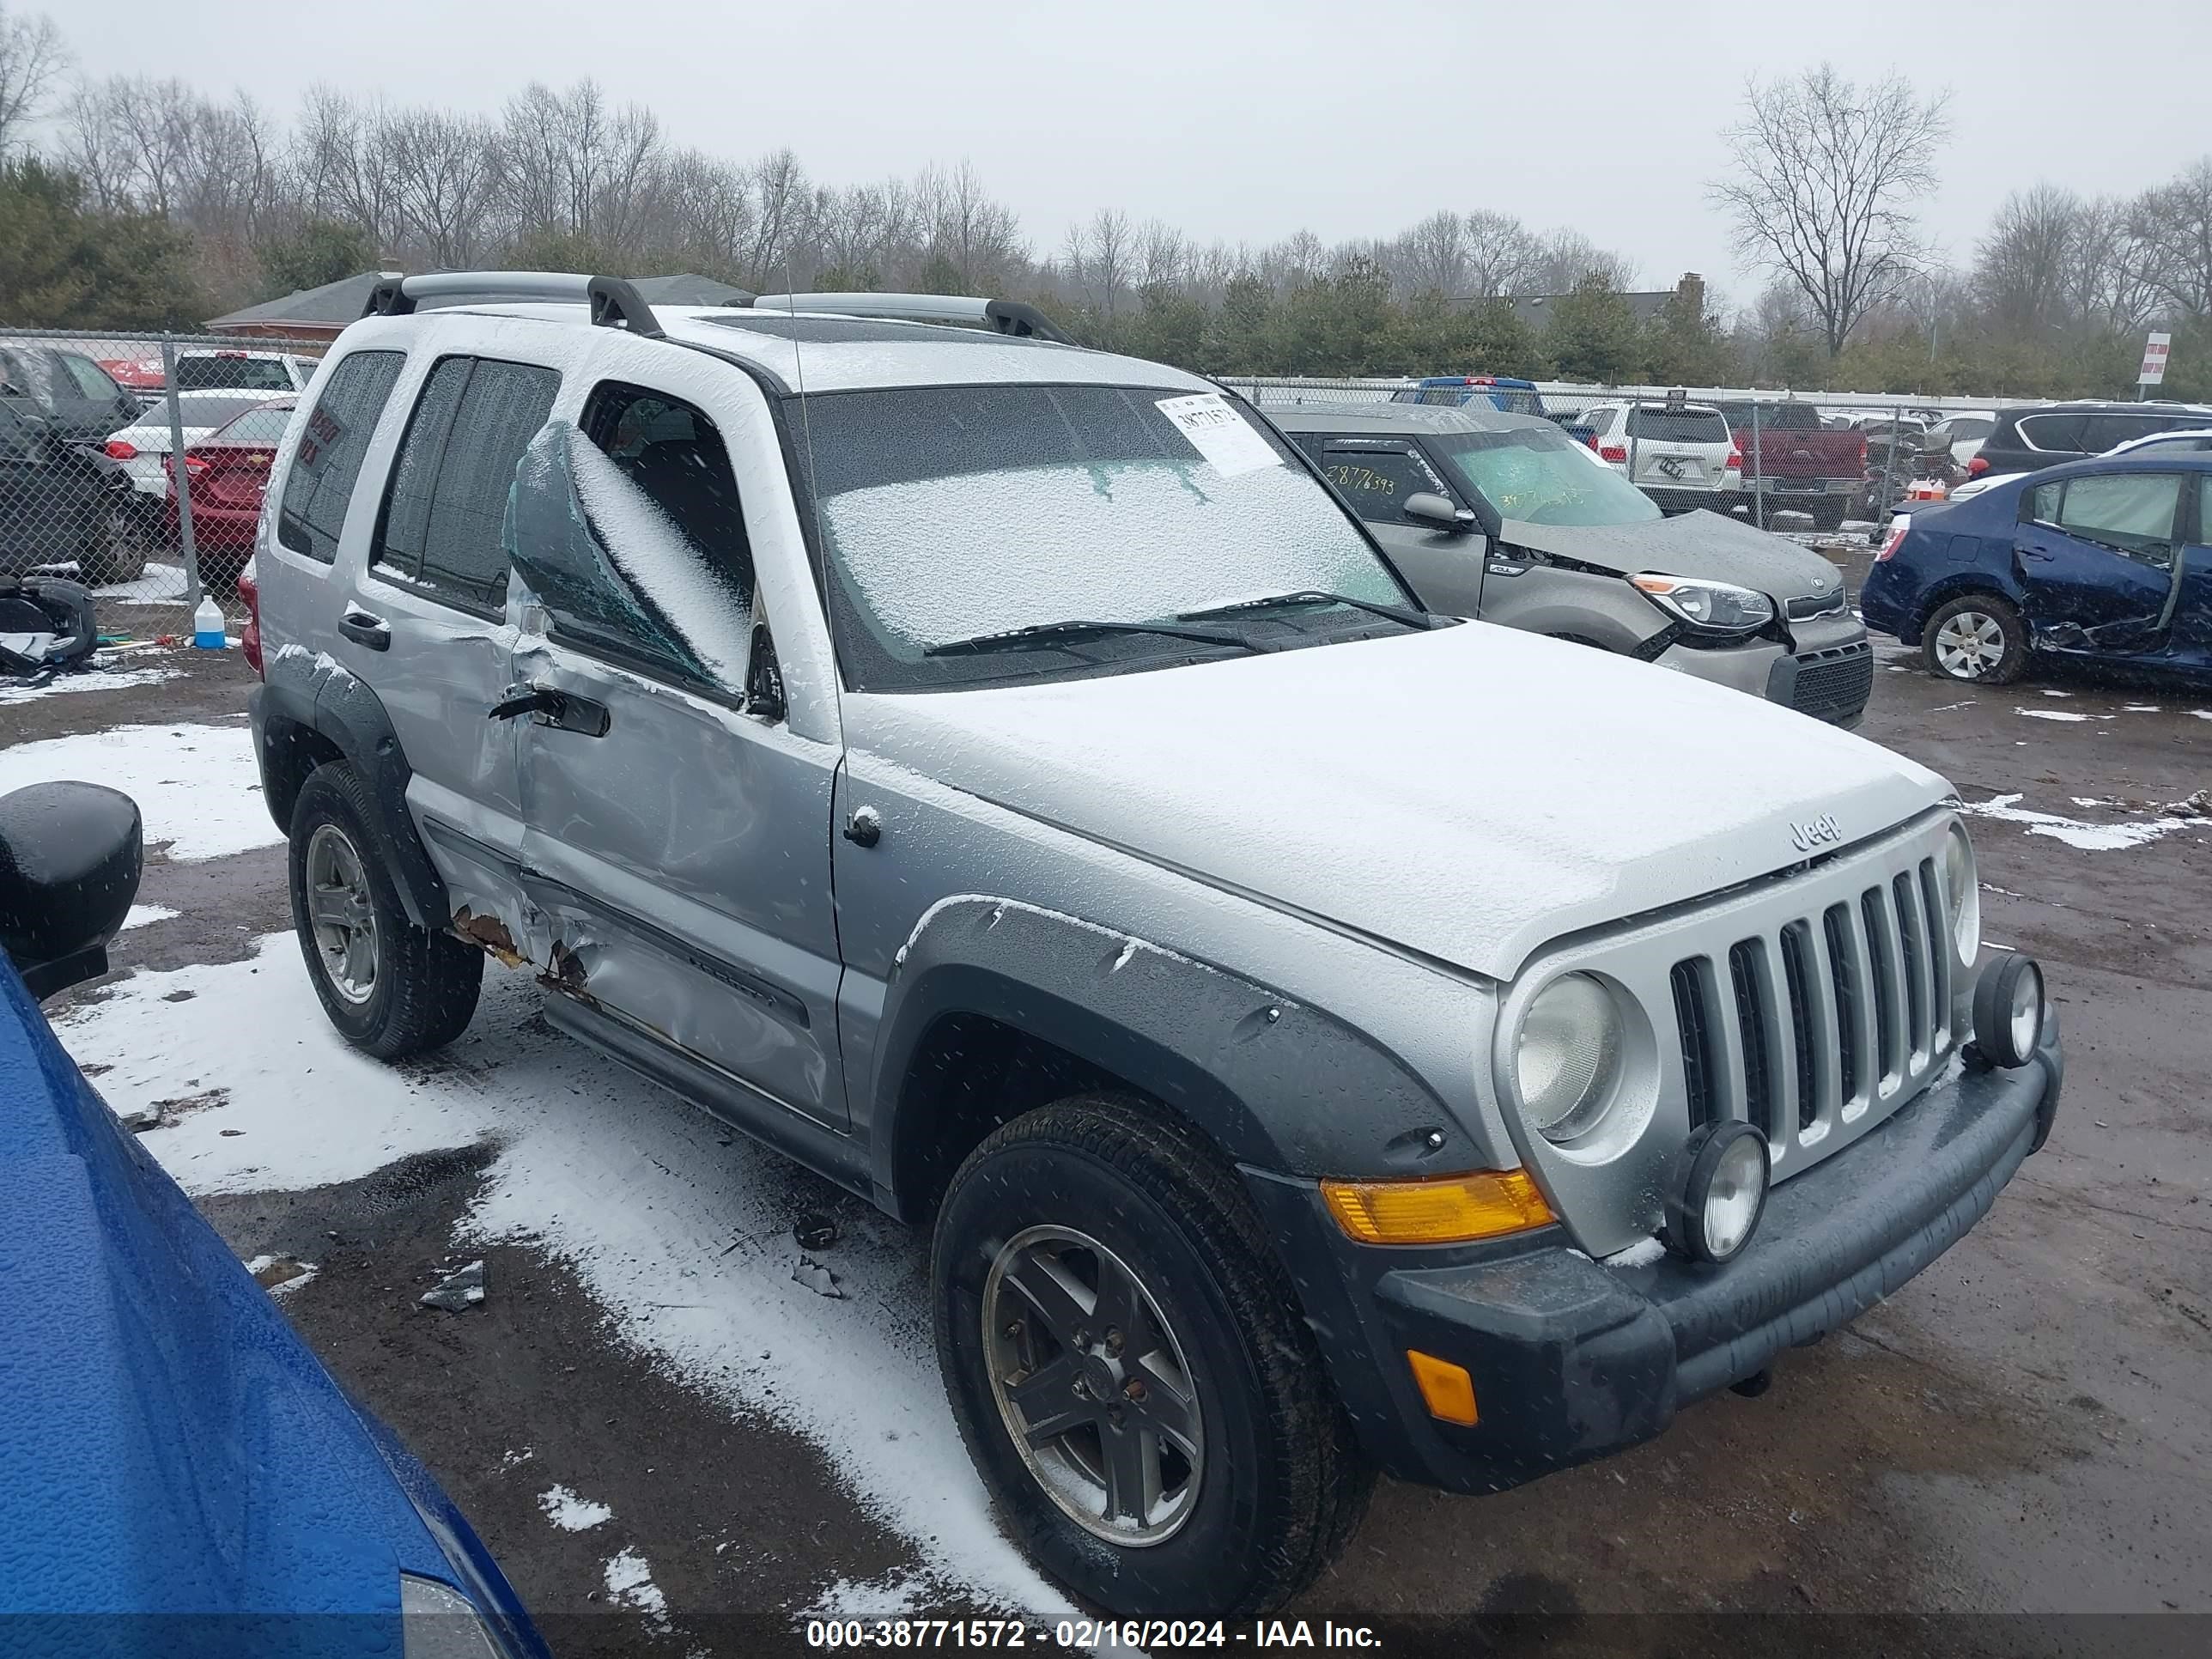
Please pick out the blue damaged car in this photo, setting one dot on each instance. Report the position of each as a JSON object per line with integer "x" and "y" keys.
{"x": 2105, "y": 562}
{"x": 180, "y": 1476}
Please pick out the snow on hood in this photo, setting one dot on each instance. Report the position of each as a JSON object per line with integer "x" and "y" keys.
{"x": 1699, "y": 543}
{"x": 1468, "y": 793}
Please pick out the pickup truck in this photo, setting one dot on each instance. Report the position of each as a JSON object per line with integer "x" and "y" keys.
{"x": 1796, "y": 463}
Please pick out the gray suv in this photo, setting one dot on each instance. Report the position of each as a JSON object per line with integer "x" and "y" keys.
{"x": 1321, "y": 1036}
{"x": 1506, "y": 518}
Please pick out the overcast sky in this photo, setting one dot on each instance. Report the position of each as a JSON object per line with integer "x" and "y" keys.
{"x": 1248, "y": 121}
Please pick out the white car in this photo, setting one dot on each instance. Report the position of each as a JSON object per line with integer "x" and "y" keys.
{"x": 222, "y": 368}
{"x": 2193, "y": 440}
{"x": 1961, "y": 432}
{"x": 138, "y": 448}
{"x": 1682, "y": 455}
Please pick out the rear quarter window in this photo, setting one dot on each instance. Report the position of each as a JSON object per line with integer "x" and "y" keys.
{"x": 332, "y": 444}
{"x": 2054, "y": 432}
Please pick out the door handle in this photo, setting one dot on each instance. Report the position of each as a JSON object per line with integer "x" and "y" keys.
{"x": 550, "y": 706}
{"x": 364, "y": 629}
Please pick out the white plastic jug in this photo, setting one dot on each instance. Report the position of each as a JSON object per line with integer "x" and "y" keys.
{"x": 208, "y": 626}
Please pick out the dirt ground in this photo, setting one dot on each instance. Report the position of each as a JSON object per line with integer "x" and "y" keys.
{"x": 2014, "y": 1454}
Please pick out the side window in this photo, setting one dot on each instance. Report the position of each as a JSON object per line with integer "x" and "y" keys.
{"x": 2131, "y": 512}
{"x": 2043, "y": 502}
{"x": 674, "y": 589}
{"x": 2101, "y": 432}
{"x": 328, "y": 460}
{"x": 1376, "y": 480}
{"x": 447, "y": 507}
{"x": 92, "y": 381}
{"x": 2054, "y": 432}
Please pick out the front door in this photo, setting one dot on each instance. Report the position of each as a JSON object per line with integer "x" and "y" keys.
{"x": 677, "y": 845}
{"x": 2096, "y": 556}
{"x": 1377, "y": 475}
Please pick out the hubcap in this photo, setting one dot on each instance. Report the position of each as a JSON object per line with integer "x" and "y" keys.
{"x": 340, "y": 913}
{"x": 1093, "y": 1385}
{"x": 1969, "y": 645}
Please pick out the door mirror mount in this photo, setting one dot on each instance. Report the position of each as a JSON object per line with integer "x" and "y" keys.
{"x": 1426, "y": 506}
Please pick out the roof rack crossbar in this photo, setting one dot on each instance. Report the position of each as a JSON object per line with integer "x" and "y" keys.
{"x": 615, "y": 303}
{"x": 1011, "y": 317}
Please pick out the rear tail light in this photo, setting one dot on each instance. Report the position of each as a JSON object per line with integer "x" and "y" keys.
{"x": 1898, "y": 525}
{"x": 1734, "y": 462}
{"x": 1976, "y": 467}
{"x": 249, "y": 639}
{"x": 1613, "y": 453}
{"x": 120, "y": 450}
{"x": 1863, "y": 452}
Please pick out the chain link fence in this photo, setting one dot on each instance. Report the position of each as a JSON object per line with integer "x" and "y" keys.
{"x": 92, "y": 428}
{"x": 1823, "y": 464}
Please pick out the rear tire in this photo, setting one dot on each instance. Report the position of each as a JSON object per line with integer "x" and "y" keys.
{"x": 114, "y": 550}
{"x": 391, "y": 989}
{"x": 1215, "y": 1395}
{"x": 1976, "y": 639}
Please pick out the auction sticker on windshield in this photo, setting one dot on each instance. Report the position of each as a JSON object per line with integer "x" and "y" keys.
{"x": 1220, "y": 433}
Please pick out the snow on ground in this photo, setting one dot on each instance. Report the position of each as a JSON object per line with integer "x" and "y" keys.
{"x": 142, "y": 915}
{"x": 630, "y": 1584}
{"x": 2089, "y": 837}
{"x": 162, "y": 584}
{"x": 2068, "y": 715}
{"x": 197, "y": 786}
{"x": 571, "y": 1513}
{"x": 96, "y": 679}
{"x": 678, "y": 1227}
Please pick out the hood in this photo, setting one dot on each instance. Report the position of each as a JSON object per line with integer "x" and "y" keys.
{"x": 1699, "y": 543}
{"x": 1467, "y": 794}
{"x": 233, "y": 1475}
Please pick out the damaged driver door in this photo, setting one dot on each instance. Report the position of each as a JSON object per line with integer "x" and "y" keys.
{"x": 2096, "y": 556}
{"x": 675, "y": 842}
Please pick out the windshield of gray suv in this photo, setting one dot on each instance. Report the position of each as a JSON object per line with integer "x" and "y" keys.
{"x": 948, "y": 513}
{"x": 1536, "y": 477}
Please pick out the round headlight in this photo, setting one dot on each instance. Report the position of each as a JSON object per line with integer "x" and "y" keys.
{"x": 1567, "y": 1056}
{"x": 2008, "y": 1009}
{"x": 1719, "y": 1191}
{"x": 1962, "y": 894}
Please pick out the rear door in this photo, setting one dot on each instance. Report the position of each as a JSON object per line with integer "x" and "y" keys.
{"x": 678, "y": 840}
{"x": 2097, "y": 557}
{"x": 425, "y": 626}
{"x": 1377, "y": 475}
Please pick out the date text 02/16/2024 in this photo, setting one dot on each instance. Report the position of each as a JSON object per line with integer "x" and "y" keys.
{"x": 1086, "y": 1634}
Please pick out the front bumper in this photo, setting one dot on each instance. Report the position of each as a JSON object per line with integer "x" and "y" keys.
{"x": 1573, "y": 1359}
{"x": 1830, "y": 677}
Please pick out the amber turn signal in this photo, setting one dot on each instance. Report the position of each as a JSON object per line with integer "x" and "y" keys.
{"x": 1446, "y": 1389}
{"x": 1448, "y": 1210}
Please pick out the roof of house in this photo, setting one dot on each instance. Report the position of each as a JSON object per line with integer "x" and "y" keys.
{"x": 335, "y": 304}
{"x": 1536, "y": 309}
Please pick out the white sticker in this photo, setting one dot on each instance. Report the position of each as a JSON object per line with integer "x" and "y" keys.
{"x": 1226, "y": 439}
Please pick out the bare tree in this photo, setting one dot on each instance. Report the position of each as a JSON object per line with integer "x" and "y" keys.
{"x": 1106, "y": 255}
{"x": 1824, "y": 179}
{"x": 1502, "y": 256}
{"x": 1432, "y": 257}
{"x": 1561, "y": 262}
{"x": 2026, "y": 265}
{"x": 2174, "y": 224}
{"x": 444, "y": 179}
{"x": 32, "y": 57}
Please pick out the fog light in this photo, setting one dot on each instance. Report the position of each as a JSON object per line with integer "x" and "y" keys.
{"x": 2008, "y": 1009}
{"x": 1718, "y": 1193}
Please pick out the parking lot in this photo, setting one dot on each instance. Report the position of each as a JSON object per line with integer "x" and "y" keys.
{"x": 675, "y": 1443}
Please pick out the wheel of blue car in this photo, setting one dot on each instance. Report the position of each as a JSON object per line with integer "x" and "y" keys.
{"x": 1125, "y": 1357}
{"x": 389, "y": 988}
{"x": 1978, "y": 638}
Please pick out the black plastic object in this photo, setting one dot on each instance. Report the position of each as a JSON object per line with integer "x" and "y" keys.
{"x": 1993, "y": 999}
{"x": 47, "y": 604}
{"x": 618, "y": 304}
{"x": 70, "y": 854}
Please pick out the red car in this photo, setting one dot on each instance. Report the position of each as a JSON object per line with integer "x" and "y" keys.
{"x": 226, "y": 471}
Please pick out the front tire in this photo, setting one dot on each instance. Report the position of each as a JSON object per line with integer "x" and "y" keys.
{"x": 391, "y": 989}
{"x": 1104, "y": 1288}
{"x": 1976, "y": 639}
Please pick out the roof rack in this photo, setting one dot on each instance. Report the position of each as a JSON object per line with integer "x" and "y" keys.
{"x": 615, "y": 303}
{"x": 1007, "y": 316}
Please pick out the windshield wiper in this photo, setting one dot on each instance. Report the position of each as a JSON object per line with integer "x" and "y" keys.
{"x": 1014, "y": 639}
{"x": 1397, "y": 613}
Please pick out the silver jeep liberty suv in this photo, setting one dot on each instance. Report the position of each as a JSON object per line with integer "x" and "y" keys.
{"x": 1323, "y": 1037}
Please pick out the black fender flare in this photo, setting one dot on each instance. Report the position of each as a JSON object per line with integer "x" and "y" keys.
{"x": 303, "y": 694}
{"x": 1276, "y": 1084}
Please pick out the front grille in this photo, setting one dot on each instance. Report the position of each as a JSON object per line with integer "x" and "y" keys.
{"x": 1834, "y": 684}
{"x": 1808, "y": 1025}
{"x": 1823, "y": 605}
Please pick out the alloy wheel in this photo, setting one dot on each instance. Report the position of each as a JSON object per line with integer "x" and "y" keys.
{"x": 340, "y": 912}
{"x": 1093, "y": 1385}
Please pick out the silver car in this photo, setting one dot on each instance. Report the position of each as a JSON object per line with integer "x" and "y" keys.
{"x": 1321, "y": 1036}
{"x": 1505, "y": 518}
